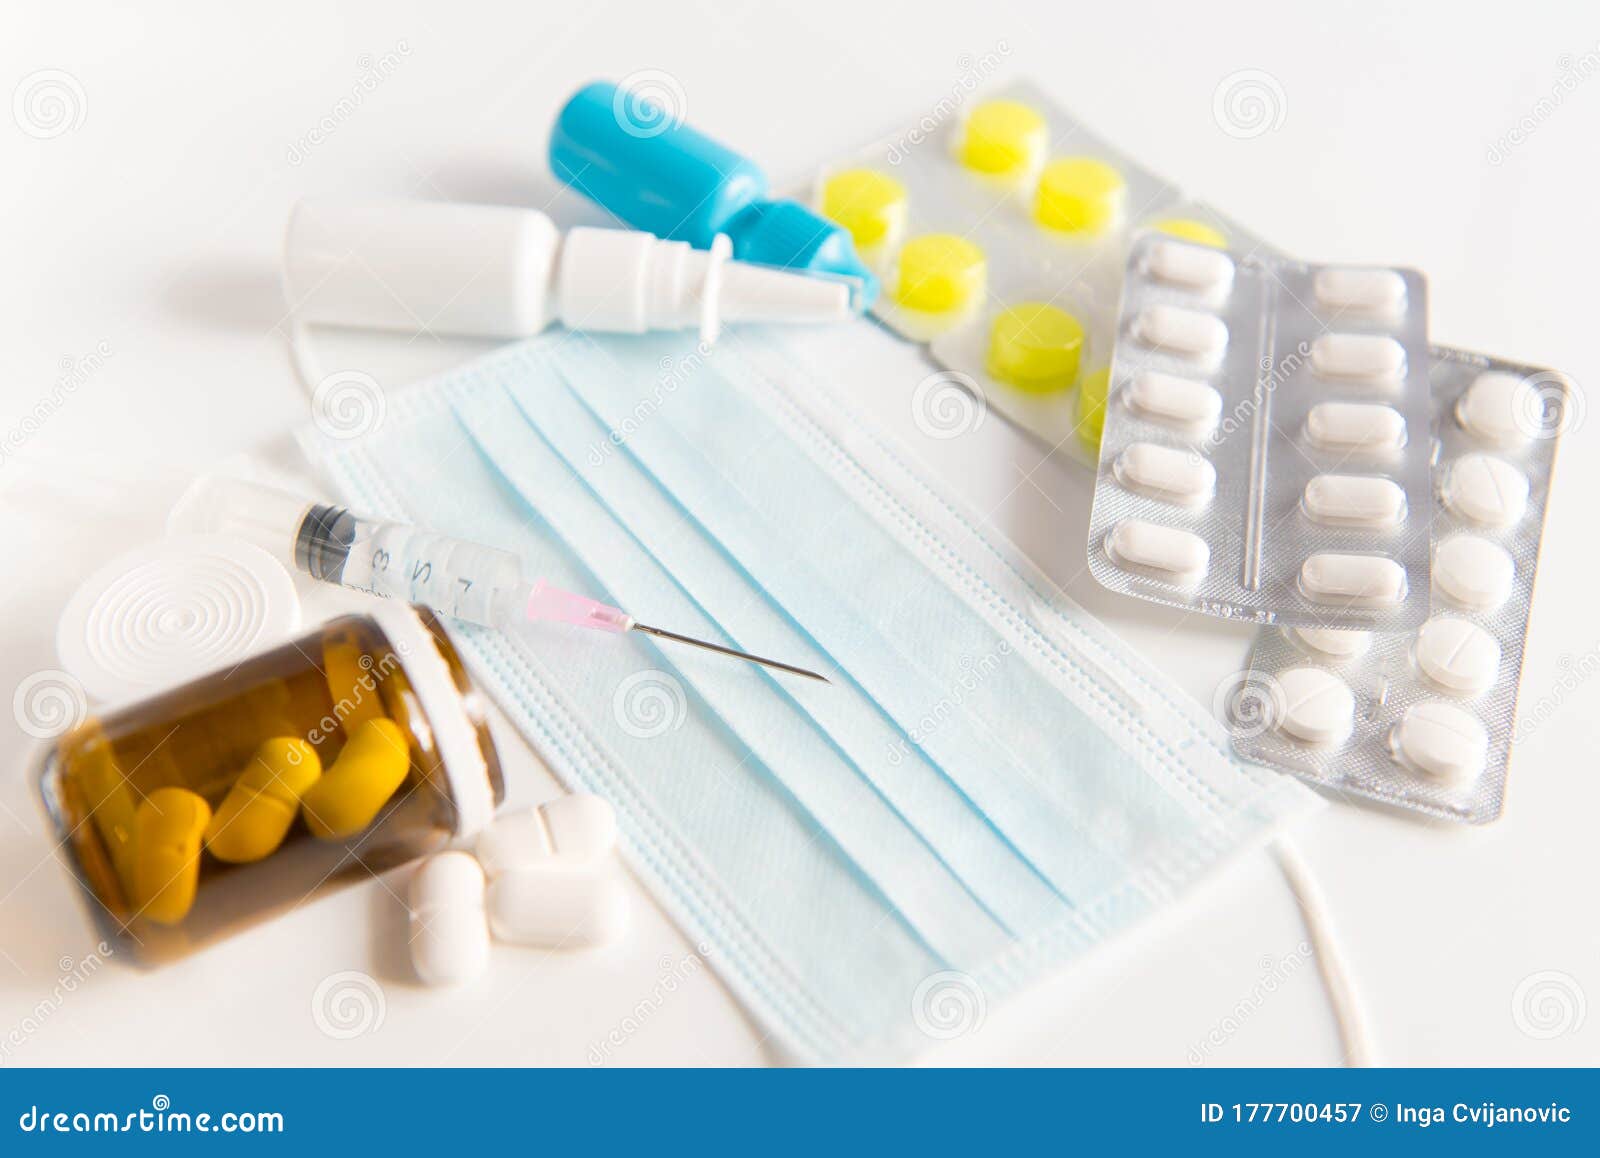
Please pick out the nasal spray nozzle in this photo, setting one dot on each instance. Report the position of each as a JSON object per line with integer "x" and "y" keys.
{"x": 495, "y": 271}
{"x": 464, "y": 580}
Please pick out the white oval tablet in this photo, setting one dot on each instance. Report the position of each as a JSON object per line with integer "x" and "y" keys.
{"x": 1441, "y": 741}
{"x": 1457, "y": 655}
{"x": 1486, "y": 490}
{"x": 1473, "y": 572}
{"x": 1354, "y": 500}
{"x": 1168, "y": 398}
{"x": 580, "y": 828}
{"x": 1200, "y": 268}
{"x": 1366, "y": 291}
{"x": 1180, "y": 476}
{"x": 1368, "y": 357}
{"x": 1190, "y": 333}
{"x": 556, "y": 906}
{"x": 449, "y": 929}
{"x": 1353, "y": 580}
{"x": 1334, "y": 642}
{"x": 1180, "y": 555}
{"x": 1498, "y": 408}
{"x": 1357, "y": 427}
{"x": 1318, "y": 707}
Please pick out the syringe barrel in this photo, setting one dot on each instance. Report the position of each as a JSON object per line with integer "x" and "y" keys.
{"x": 454, "y": 577}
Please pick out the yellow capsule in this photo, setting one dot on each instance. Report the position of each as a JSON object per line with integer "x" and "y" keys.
{"x": 167, "y": 830}
{"x": 1188, "y": 229}
{"x": 255, "y": 816}
{"x": 1003, "y": 137}
{"x": 1079, "y": 195}
{"x": 351, "y": 684}
{"x": 367, "y": 772}
{"x": 107, "y": 798}
{"x": 939, "y": 272}
{"x": 869, "y": 204}
{"x": 1092, "y": 408}
{"x": 1036, "y": 347}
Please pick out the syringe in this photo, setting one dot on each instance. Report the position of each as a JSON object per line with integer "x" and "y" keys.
{"x": 464, "y": 580}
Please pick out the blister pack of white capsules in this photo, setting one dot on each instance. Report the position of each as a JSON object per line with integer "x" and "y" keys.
{"x": 1000, "y": 230}
{"x": 1265, "y": 453}
{"x": 1425, "y": 720}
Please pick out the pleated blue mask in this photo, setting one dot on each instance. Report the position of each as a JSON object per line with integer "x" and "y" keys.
{"x": 992, "y": 784}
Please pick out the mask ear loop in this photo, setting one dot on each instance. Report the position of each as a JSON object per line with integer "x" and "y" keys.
{"x": 296, "y": 334}
{"x": 1347, "y": 1011}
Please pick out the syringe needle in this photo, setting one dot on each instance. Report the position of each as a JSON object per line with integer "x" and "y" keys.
{"x": 662, "y": 633}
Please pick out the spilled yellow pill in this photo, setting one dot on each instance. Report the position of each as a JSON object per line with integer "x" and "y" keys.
{"x": 1003, "y": 137}
{"x": 869, "y": 204}
{"x": 939, "y": 272}
{"x": 166, "y": 853}
{"x": 1079, "y": 195}
{"x": 1036, "y": 347}
{"x": 369, "y": 769}
{"x": 1092, "y": 408}
{"x": 1188, "y": 229}
{"x": 255, "y": 816}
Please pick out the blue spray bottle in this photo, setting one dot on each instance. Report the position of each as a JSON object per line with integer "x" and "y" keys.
{"x": 659, "y": 175}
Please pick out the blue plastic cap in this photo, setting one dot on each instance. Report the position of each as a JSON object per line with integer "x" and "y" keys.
{"x": 657, "y": 174}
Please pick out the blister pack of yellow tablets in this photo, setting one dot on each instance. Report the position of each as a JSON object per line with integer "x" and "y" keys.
{"x": 1426, "y": 720}
{"x": 1000, "y": 229}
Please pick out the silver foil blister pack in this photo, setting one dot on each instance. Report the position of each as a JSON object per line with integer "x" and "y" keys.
{"x": 1266, "y": 454}
{"x": 1425, "y": 720}
{"x": 1047, "y": 211}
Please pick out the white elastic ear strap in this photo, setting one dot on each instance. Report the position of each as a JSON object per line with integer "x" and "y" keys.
{"x": 1347, "y": 1013}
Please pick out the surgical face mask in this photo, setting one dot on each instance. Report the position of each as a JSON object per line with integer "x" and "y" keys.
{"x": 992, "y": 784}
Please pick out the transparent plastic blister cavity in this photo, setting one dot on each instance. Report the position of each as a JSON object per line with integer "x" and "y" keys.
{"x": 1265, "y": 452}
{"x": 1000, "y": 230}
{"x": 1426, "y": 720}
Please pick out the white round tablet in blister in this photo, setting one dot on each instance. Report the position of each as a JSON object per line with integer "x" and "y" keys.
{"x": 1472, "y": 572}
{"x": 1486, "y": 489}
{"x": 1498, "y": 408}
{"x": 1334, "y": 642}
{"x": 1318, "y": 707}
{"x": 1441, "y": 741}
{"x": 1457, "y": 655}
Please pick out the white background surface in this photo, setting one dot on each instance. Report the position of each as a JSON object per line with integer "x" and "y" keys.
{"x": 153, "y": 227}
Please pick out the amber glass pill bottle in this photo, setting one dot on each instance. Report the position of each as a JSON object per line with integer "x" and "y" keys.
{"x": 203, "y": 810}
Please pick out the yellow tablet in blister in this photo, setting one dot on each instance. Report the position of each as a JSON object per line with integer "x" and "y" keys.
{"x": 1079, "y": 195}
{"x": 869, "y": 204}
{"x": 1002, "y": 138}
{"x": 1092, "y": 408}
{"x": 939, "y": 272}
{"x": 1035, "y": 346}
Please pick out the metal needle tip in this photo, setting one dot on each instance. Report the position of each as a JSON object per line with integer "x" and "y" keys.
{"x": 709, "y": 646}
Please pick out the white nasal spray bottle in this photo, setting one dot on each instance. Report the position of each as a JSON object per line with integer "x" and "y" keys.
{"x": 494, "y": 271}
